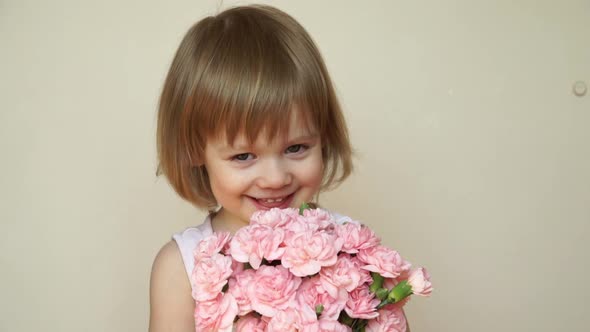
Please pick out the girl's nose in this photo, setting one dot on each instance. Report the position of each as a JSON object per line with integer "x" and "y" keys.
{"x": 274, "y": 175}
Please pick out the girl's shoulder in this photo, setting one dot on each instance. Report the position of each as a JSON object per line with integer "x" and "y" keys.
{"x": 171, "y": 301}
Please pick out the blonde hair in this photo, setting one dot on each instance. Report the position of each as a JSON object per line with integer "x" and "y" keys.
{"x": 245, "y": 70}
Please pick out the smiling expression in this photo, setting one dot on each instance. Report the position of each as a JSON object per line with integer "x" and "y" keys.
{"x": 282, "y": 172}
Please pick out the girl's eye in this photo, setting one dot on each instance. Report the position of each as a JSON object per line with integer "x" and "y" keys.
{"x": 296, "y": 148}
{"x": 242, "y": 157}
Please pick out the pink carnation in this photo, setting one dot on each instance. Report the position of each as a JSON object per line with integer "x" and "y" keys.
{"x": 251, "y": 323}
{"x": 362, "y": 303}
{"x": 217, "y": 314}
{"x": 238, "y": 287}
{"x": 356, "y": 237}
{"x": 212, "y": 244}
{"x": 274, "y": 217}
{"x": 307, "y": 252}
{"x": 298, "y": 319}
{"x": 321, "y": 218}
{"x": 365, "y": 274}
{"x": 311, "y": 294}
{"x": 345, "y": 276}
{"x": 419, "y": 279}
{"x": 299, "y": 225}
{"x": 330, "y": 325}
{"x": 253, "y": 243}
{"x": 210, "y": 276}
{"x": 273, "y": 289}
{"x": 390, "y": 319}
{"x": 236, "y": 266}
{"x": 283, "y": 321}
{"x": 382, "y": 260}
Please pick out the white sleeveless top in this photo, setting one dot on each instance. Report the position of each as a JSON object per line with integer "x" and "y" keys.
{"x": 188, "y": 239}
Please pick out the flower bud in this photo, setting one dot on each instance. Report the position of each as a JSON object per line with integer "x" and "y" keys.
{"x": 419, "y": 279}
{"x": 399, "y": 292}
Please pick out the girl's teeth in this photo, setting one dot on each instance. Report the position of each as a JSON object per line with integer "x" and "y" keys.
{"x": 270, "y": 200}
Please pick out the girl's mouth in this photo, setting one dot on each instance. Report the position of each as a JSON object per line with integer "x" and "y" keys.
{"x": 268, "y": 203}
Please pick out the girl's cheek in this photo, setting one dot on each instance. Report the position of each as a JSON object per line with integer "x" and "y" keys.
{"x": 312, "y": 172}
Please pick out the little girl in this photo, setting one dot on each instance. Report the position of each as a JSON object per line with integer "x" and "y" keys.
{"x": 248, "y": 120}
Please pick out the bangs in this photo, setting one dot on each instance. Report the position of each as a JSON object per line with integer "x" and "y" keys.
{"x": 254, "y": 78}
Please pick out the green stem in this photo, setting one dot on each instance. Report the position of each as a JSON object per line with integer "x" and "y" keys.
{"x": 303, "y": 207}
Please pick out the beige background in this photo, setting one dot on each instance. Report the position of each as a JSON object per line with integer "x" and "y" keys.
{"x": 473, "y": 154}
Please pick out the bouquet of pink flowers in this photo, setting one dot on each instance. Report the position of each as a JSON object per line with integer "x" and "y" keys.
{"x": 301, "y": 270}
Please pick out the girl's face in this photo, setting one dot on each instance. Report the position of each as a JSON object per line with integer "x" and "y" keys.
{"x": 282, "y": 172}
